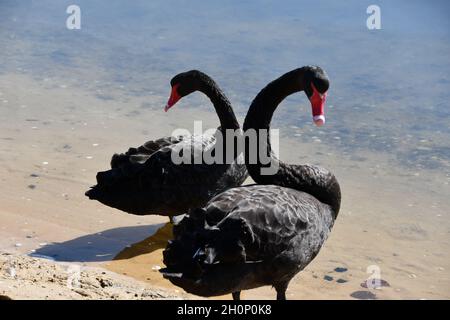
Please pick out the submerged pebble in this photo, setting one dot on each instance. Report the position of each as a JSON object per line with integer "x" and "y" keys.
{"x": 376, "y": 284}
{"x": 363, "y": 295}
{"x": 328, "y": 278}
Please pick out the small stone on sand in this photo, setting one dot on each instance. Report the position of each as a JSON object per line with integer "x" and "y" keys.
{"x": 375, "y": 284}
{"x": 363, "y": 295}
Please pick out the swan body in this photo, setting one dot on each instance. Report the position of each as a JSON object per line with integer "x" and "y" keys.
{"x": 239, "y": 246}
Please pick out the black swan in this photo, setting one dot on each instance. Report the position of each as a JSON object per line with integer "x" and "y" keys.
{"x": 262, "y": 234}
{"x": 145, "y": 180}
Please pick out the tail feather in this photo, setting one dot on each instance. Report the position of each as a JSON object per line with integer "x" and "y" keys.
{"x": 197, "y": 245}
{"x": 116, "y": 188}
{"x": 119, "y": 160}
{"x": 92, "y": 193}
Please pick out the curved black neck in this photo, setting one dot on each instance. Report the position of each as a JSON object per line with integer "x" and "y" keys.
{"x": 316, "y": 181}
{"x": 220, "y": 102}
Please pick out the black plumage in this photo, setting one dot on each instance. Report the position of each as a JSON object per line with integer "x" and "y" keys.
{"x": 145, "y": 180}
{"x": 261, "y": 234}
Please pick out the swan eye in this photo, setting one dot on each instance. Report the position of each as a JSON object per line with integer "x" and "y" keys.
{"x": 317, "y": 97}
{"x": 316, "y": 92}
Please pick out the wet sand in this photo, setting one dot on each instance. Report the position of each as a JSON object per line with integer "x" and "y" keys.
{"x": 56, "y": 136}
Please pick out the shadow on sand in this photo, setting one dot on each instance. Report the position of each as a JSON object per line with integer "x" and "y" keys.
{"x": 156, "y": 241}
{"x": 104, "y": 246}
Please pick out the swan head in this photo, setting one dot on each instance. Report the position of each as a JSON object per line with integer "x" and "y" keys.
{"x": 184, "y": 84}
{"x": 316, "y": 87}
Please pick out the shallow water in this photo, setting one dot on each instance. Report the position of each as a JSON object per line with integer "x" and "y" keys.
{"x": 70, "y": 98}
{"x": 389, "y": 87}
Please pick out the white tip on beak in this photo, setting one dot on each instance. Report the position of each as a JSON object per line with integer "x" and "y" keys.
{"x": 319, "y": 120}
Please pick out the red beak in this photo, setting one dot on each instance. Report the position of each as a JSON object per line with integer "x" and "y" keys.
{"x": 174, "y": 97}
{"x": 317, "y": 104}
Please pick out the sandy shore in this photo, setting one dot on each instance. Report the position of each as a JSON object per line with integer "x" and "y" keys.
{"x": 57, "y": 137}
{"x": 23, "y": 277}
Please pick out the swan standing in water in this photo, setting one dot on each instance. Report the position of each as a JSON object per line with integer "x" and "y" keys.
{"x": 262, "y": 234}
{"x": 145, "y": 180}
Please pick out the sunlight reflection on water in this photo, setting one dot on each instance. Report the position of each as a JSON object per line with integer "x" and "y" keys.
{"x": 378, "y": 100}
